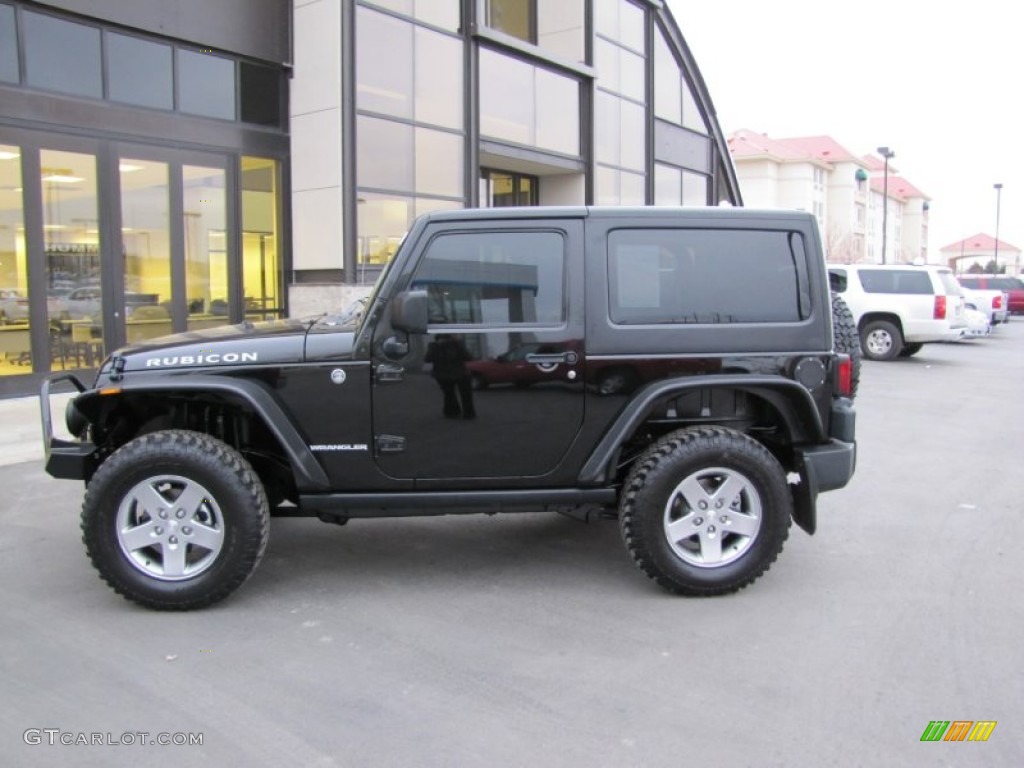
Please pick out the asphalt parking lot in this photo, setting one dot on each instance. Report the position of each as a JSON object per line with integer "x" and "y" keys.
{"x": 534, "y": 641}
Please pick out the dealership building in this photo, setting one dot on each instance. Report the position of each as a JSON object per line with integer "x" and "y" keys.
{"x": 174, "y": 165}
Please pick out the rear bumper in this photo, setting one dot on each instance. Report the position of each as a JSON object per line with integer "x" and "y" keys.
{"x": 65, "y": 459}
{"x": 825, "y": 467}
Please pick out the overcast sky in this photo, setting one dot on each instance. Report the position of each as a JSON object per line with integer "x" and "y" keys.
{"x": 942, "y": 84}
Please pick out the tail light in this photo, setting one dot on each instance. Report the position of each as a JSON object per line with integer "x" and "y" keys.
{"x": 997, "y": 302}
{"x": 940, "y": 308}
{"x": 844, "y": 379}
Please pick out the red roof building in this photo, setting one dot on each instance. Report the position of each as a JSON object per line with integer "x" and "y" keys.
{"x": 845, "y": 191}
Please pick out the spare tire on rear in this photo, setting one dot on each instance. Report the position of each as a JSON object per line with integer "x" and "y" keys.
{"x": 846, "y": 338}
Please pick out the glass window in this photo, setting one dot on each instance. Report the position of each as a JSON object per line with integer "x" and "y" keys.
{"x": 62, "y": 56}
{"x": 384, "y": 220}
{"x": 384, "y": 83}
{"x": 206, "y": 85}
{"x": 260, "y": 89}
{"x": 621, "y": 132}
{"x": 513, "y": 17}
{"x": 693, "y": 118}
{"x": 621, "y": 21}
{"x": 139, "y": 72}
{"x": 440, "y": 13}
{"x": 9, "y": 70}
{"x": 668, "y": 185}
{"x": 71, "y": 242}
{"x": 438, "y": 73}
{"x": 494, "y": 278}
{"x": 145, "y": 238}
{"x": 895, "y": 281}
{"x": 560, "y": 28}
{"x": 262, "y": 275}
{"x": 206, "y": 244}
{"x": 384, "y": 154}
{"x": 705, "y": 276}
{"x": 507, "y": 108}
{"x": 15, "y": 345}
{"x": 695, "y": 188}
{"x": 500, "y": 189}
{"x": 558, "y": 113}
{"x": 668, "y": 97}
{"x": 439, "y": 164}
{"x": 528, "y": 105}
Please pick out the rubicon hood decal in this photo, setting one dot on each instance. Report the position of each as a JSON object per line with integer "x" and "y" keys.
{"x": 208, "y": 358}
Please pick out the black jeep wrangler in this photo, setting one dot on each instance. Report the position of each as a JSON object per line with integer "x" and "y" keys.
{"x": 677, "y": 368}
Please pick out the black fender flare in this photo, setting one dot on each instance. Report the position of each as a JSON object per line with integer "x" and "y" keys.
{"x": 309, "y": 475}
{"x": 789, "y": 398}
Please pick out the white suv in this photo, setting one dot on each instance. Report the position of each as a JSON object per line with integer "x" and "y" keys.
{"x": 898, "y": 308}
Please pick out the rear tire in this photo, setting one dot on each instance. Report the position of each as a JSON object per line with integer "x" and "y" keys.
{"x": 175, "y": 520}
{"x": 881, "y": 340}
{"x": 705, "y": 511}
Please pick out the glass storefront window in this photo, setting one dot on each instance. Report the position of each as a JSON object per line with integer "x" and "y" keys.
{"x": 206, "y": 85}
{"x": 419, "y": 79}
{"x": 15, "y": 345}
{"x": 384, "y": 83}
{"x": 439, "y": 73}
{"x": 261, "y": 267}
{"x": 384, "y": 220}
{"x": 206, "y": 246}
{"x": 71, "y": 242}
{"x": 384, "y": 154}
{"x": 62, "y": 56}
{"x": 9, "y": 68}
{"x": 146, "y": 245}
{"x": 439, "y": 164}
{"x": 139, "y": 72}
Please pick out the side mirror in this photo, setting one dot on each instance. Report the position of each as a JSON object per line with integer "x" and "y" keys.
{"x": 409, "y": 311}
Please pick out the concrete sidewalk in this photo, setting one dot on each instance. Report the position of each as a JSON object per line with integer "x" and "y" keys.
{"x": 21, "y": 436}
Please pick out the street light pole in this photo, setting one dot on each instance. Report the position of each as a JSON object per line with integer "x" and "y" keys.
{"x": 995, "y": 261}
{"x": 886, "y": 153}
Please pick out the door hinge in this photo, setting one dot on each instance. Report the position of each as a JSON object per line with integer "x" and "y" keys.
{"x": 390, "y": 444}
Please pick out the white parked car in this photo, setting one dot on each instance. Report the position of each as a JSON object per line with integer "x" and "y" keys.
{"x": 977, "y": 322}
{"x": 993, "y": 302}
{"x": 13, "y": 306}
{"x": 899, "y": 307}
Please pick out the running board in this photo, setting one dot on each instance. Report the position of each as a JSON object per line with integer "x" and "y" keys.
{"x": 453, "y": 502}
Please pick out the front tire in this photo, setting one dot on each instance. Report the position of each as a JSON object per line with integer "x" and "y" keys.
{"x": 705, "y": 511}
{"x": 175, "y": 520}
{"x": 881, "y": 340}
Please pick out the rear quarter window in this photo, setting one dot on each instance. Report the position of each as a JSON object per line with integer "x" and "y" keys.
{"x": 708, "y": 276}
{"x": 895, "y": 281}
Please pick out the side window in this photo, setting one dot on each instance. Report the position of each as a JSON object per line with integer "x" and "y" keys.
{"x": 494, "y": 278}
{"x": 896, "y": 281}
{"x": 683, "y": 276}
{"x": 837, "y": 280}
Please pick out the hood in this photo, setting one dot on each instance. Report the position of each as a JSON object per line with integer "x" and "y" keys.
{"x": 279, "y": 342}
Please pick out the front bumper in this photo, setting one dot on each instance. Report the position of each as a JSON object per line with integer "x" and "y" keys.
{"x": 65, "y": 459}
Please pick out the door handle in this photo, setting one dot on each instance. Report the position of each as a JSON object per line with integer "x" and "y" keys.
{"x": 552, "y": 358}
